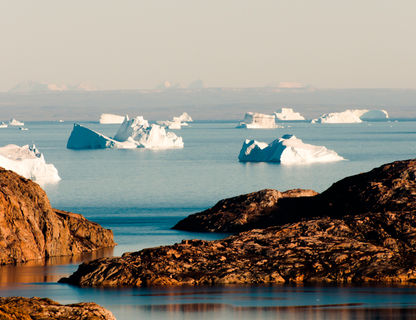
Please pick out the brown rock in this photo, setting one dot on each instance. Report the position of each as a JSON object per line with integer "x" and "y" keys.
{"x": 31, "y": 229}
{"x": 19, "y": 308}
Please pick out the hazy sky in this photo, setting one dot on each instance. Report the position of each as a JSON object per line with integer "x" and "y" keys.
{"x": 132, "y": 44}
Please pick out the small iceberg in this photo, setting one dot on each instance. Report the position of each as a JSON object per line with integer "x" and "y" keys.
{"x": 23, "y": 129}
{"x": 29, "y": 163}
{"x": 254, "y": 120}
{"x": 352, "y": 116}
{"x": 132, "y": 133}
{"x": 288, "y": 114}
{"x": 286, "y": 150}
{"x": 108, "y": 118}
{"x": 3, "y": 125}
{"x": 16, "y": 123}
{"x": 177, "y": 122}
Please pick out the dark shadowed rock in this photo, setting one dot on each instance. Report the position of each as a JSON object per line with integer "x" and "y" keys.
{"x": 31, "y": 229}
{"x": 19, "y": 308}
{"x": 391, "y": 187}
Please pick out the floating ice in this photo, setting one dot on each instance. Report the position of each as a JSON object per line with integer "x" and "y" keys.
{"x": 286, "y": 150}
{"x": 29, "y": 163}
{"x": 132, "y": 133}
{"x": 176, "y": 122}
{"x": 14, "y": 122}
{"x": 108, "y": 118}
{"x": 288, "y": 114}
{"x": 352, "y": 116}
{"x": 254, "y": 120}
{"x": 3, "y": 125}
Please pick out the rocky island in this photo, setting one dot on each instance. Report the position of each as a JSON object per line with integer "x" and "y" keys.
{"x": 31, "y": 229}
{"x": 362, "y": 229}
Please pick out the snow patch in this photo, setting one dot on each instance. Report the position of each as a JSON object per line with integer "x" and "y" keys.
{"x": 286, "y": 150}
{"x": 29, "y": 163}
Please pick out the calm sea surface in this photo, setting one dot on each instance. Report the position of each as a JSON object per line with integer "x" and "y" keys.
{"x": 140, "y": 194}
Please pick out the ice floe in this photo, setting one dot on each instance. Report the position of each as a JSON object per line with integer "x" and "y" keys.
{"x": 286, "y": 150}
{"x": 29, "y": 163}
{"x": 254, "y": 120}
{"x": 108, "y": 118}
{"x": 352, "y": 116}
{"x": 288, "y": 114}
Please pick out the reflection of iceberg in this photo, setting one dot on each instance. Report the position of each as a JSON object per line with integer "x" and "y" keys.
{"x": 288, "y": 114}
{"x": 286, "y": 150}
{"x": 176, "y": 122}
{"x": 29, "y": 163}
{"x": 352, "y": 116}
{"x": 108, "y": 118}
{"x": 133, "y": 133}
{"x": 254, "y": 120}
{"x": 14, "y": 122}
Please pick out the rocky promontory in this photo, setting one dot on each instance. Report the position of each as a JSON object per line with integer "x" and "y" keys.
{"x": 362, "y": 229}
{"x": 14, "y": 308}
{"x": 391, "y": 187}
{"x": 31, "y": 229}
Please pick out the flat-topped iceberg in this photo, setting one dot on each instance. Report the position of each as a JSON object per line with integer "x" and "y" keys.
{"x": 255, "y": 120}
{"x": 29, "y": 163}
{"x": 352, "y": 116}
{"x": 288, "y": 114}
{"x": 286, "y": 150}
{"x": 132, "y": 133}
{"x": 14, "y": 122}
{"x": 176, "y": 122}
{"x": 108, "y": 118}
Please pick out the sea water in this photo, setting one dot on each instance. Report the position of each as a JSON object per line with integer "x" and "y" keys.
{"x": 140, "y": 194}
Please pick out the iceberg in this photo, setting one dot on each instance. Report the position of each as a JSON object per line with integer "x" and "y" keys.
{"x": 288, "y": 114}
{"x": 352, "y": 116}
{"x": 108, "y": 118}
{"x": 3, "y": 125}
{"x": 254, "y": 120}
{"x": 132, "y": 133}
{"x": 286, "y": 150}
{"x": 176, "y": 122}
{"x": 14, "y": 122}
{"x": 29, "y": 163}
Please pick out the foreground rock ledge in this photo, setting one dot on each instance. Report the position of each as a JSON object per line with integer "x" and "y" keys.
{"x": 374, "y": 246}
{"x": 42, "y": 308}
{"x": 391, "y": 187}
{"x": 31, "y": 229}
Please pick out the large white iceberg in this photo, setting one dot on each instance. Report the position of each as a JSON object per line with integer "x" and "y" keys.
{"x": 352, "y": 116}
{"x": 14, "y": 122}
{"x": 108, "y": 118}
{"x": 288, "y": 114}
{"x": 254, "y": 120}
{"x": 132, "y": 133}
{"x": 286, "y": 150}
{"x": 29, "y": 163}
{"x": 176, "y": 122}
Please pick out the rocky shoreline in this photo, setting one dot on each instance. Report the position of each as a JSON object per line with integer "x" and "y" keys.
{"x": 362, "y": 229}
{"x": 30, "y": 229}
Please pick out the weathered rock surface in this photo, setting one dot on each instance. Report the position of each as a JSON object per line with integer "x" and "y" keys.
{"x": 31, "y": 229}
{"x": 376, "y": 247}
{"x": 244, "y": 212}
{"x": 367, "y": 233}
{"x": 19, "y": 308}
{"x": 391, "y": 187}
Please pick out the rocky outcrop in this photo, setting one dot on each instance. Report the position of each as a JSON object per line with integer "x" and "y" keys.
{"x": 31, "y": 229}
{"x": 377, "y": 247}
{"x": 391, "y": 187}
{"x": 367, "y": 233}
{"x": 244, "y": 212}
{"x": 15, "y": 308}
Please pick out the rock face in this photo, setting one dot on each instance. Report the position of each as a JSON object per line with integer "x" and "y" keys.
{"x": 31, "y": 229}
{"x": 14, "y": 308}
{"x": 391, "y": 187}
{"x": 379, "y": 247}
{"x": 367, "y": 233}
{"x": 240, "y": 213}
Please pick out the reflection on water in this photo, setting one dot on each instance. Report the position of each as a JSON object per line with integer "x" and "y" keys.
{"x": 46, "y": 270}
